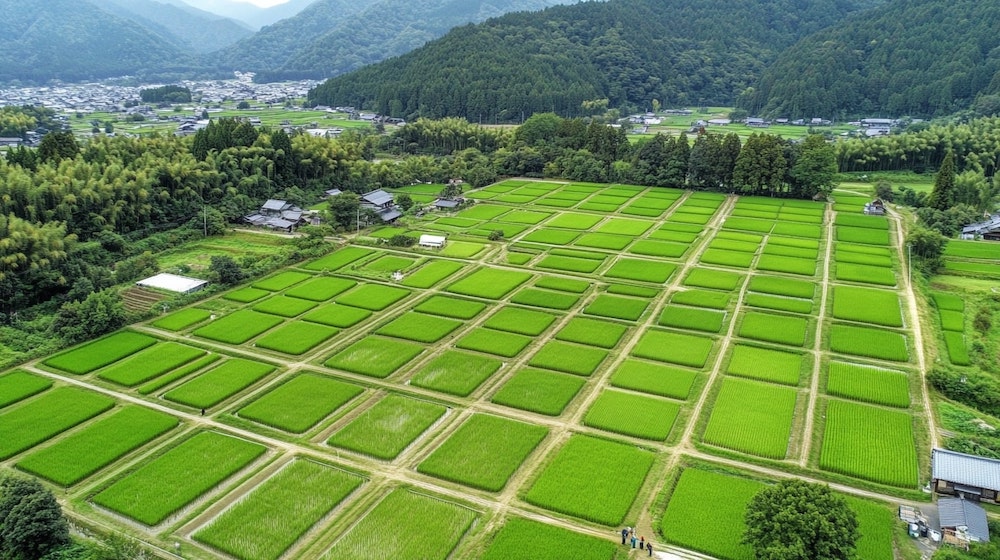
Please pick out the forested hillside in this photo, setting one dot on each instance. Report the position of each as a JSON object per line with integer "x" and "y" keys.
{"x": 332, "y": 37}
{"x": 74, "y": 40}
{"x": 189, "y": 28}
{"x": 908, "y": 57}
{"x": 626, "y": 51}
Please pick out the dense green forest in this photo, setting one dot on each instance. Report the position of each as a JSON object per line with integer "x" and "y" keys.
{"x": 907, "y": 57}
{"x": 628, "y": 52}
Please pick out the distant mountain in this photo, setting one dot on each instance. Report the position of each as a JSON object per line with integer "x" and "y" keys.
{"x": 253, "y": 16}
{"x": 908, "y": 57}
{"x": 73, "y": 40}
{"x": 187, "y": 27}
{"x": 332, "y": 37}
{"x": 629, "y": 52}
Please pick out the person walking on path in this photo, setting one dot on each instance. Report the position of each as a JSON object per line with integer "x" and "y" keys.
{"x": 624, "y": 534}
{"x": 633, "y": 540}
{"x": 642, "y": 543}
{"x": 649, "y": 547}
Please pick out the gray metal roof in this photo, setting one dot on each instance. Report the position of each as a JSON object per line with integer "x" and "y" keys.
{"x": 445, "y": 203}
{"x": 278, "y": 223}
{"x": 956, "y": 512}
{"x": 968, "y": 470}
{"x": 272, "y": 204}
{"x": 390, "y": 215}
{"x": 378, "y": 198}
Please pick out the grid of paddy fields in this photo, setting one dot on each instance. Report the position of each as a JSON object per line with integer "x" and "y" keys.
{"x": 626, "y": 355}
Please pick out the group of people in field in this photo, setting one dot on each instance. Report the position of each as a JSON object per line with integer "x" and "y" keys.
{"x": 628, "y": 536}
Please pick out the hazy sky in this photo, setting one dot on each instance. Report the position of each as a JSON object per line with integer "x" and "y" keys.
{"x": 264, "y": 3}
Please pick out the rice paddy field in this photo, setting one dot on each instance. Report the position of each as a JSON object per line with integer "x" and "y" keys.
{"x": 569, "y": 371}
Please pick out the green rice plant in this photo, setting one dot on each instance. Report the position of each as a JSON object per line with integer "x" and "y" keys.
{"x": 655, "y": 379}
{"x": 771, "y": 214}
{"x": 541, "y": 391}
{"x": 958, "y": 352}
{"x": 683, "y": 228}
{"x": 869, "y": 443}
{"x": 764, "y": 364}
{"x": 284, "y": 306}
{"x": 296, "y": 338}
{"x": 18, "y": 385}
{"x": 459, "y": 222}
{"x": 952, "y": 320}
{"x": 374, "y": 356}
{"x": 419, "y": 327}
{"x": 663, "y": 249}
{"x": 545, "y": 299}
{"x": 862, "y": 235}
{"x": 733, "y": 245}
{"x": 508, "y": 230}
{"x": 634, "y": 210}
{"x": 219, "y": 383}
{"x": 99, "y": 353}
{"x": 682, "y": 217}
{"x": 771, "y": 327}
{"x": 674, "y": 348}
{"x": 878, "y": 261}
{"x": 633, "y": 290}
{"x": 529, "y": 217}
{"x": 246, "y": 295}
{"x": 177, "y": 374}
{"x": 519, "y": 258}
{"x": 387, "y": 232}
{"x": 455, "y": 373}
{"x": 664, "y": 234}
{"x": 702, "y": 298}
{"x": 715, "y": 279}
{"x": 779, "y": 303}
{"x": 606, "y": 208}
{"x": 869, "y": 384}
{"x": 706, "y": 512}
{"x": 569, "y": 264}
{"x": 722, "y": 257}
{"x": 180, "y": 320}
{"x": 462, "y": 249}
{"x": 989, "y": 270}
{"x": 520, "y": 321}
{"x": 641, "y": 270}
{"x": 612, "y": 199}
{"x": 752, "y": 417}
{"x": 572, "y": 220}
{"x": 300, "y": 403}
{"x": 149, "y": 363}
{"x": 337, "y": 315}
{"x": 861, "y": 221}
{"x": 264, "y": 524}
{"x": 51, "y": 413}
{"x": 604, "y": 241}
{"x": 515, "y": 199}
{"x": 749, "y": 224}
{"x": 445, "y": 306}
{"x": 592, "y": 478}
{"x": 174, "y": 479}
{"x": 628, "y": 309}
{"x": 692, "y": 318}
{"x": 794, "y": 242}
{"x": 779, "y": 250}
{"x": 373, "y": 297}
{"x": 405, "y": 525}
{"x": 972, "y": 249}
{"x": 791, "y": 265}
{"x": 339, "y": 258}
{"x": 867, "y": 305}
{"x": 779, "y": 286}
{"x": 563, "y": 284}
{"x": 484, "y": 452}
{"x": 632, "y": 415}
{"x": 592, "y": 332}
{"x": 869, "y": 342}
{"x": 797, "y": 230}
{"x": 387, "y": 428}
{"x": 431, "y": 273}
{"x": 551, "y": 236}
{"x": 577, "y": 254}
{"x": 951, "y": 302}
{"x": 624, "y": 226}
{"x": 322, "y": 288}
{"x": 97, "y": 445}
{"x": 876, "y": 525}
{"x": 555, "y": 202}
{"x": 238, "y": 327}
{"x": 522, "y": 539}
{"x": 281, "y": 280}
{"x": 484, "y": 212}
{"x": 489, "y": 283}
{"x": 494, "y": 342}
{"x": 569, "y": 358}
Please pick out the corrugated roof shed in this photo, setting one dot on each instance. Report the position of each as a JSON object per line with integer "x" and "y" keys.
{"x": 964, "y": 469}
{"x": 390, "y": 215}
{"x": 377, "y": 197}
{"x": 277, "y": 205}
{"x": 956, "y": 512}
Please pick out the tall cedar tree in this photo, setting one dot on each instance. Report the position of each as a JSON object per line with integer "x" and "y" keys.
{"x": 943, "y": 194}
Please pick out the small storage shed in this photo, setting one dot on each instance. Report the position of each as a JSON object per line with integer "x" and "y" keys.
{"x": 173, "y": 283}
{"x": 962, "y": 521}
{"x": 432, "y": 241}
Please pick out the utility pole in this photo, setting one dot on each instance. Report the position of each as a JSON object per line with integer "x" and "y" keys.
{"x": 909, "y": 263}
{"x": 205, "y": 220}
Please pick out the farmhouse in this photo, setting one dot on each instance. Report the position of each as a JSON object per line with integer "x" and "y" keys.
{"x": 875, "y": 208}
{"x": 281, "y": 215}
{"x": 962, "y": 521}
{"x": 987, "y": 229}
{"x": 968, "y": 476}
{"x": 446, "y": 204}
{"x": 382, "y": 204}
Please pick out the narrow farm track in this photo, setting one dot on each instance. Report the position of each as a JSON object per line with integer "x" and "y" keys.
{"x": 494, "y": 508}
